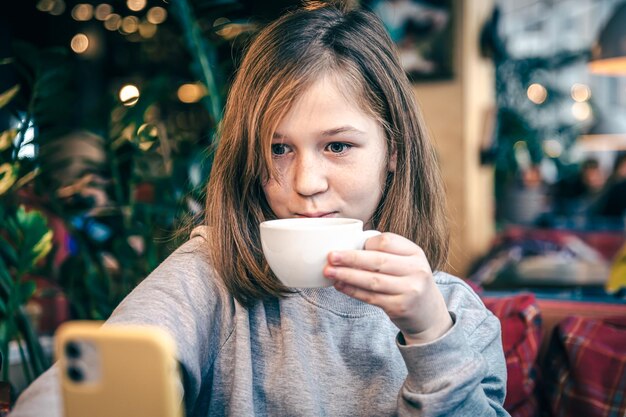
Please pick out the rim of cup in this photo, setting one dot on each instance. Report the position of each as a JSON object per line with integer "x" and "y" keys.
{"x": 309, "y": 223}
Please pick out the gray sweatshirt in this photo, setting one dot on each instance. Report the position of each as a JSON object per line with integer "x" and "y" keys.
{"x": 317, "y": 352}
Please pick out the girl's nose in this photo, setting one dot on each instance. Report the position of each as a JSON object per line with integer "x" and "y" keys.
{"x": 309, "y": 176}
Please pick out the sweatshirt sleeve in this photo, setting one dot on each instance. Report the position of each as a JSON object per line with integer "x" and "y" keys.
{"x": 463, "y": 373}
{"x": 180, "y": 296}
{"x": 41, "y": 398}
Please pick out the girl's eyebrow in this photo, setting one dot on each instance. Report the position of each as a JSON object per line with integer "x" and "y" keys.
{"x": 329, "y": 132}
{"x": 342, "y": 129}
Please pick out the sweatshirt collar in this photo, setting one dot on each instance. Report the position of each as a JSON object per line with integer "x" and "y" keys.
{"x": 337, "y": 302}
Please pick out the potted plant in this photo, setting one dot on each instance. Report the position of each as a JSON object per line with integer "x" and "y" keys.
{"x": 25, "y": 240}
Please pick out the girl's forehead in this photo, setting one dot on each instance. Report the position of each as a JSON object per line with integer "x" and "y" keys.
{"x": 342, "y": 84}
{"x": 326, "y": 105}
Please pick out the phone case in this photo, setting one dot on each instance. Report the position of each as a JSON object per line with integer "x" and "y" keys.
{"x": 118, "y": 370}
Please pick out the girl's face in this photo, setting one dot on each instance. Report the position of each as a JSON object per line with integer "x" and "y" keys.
{"x": 330, "y": 156}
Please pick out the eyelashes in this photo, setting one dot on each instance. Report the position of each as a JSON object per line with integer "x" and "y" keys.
{"x": 336, "y": 148}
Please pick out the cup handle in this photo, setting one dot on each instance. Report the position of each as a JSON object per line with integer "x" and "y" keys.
{"x": 366, "y": 235}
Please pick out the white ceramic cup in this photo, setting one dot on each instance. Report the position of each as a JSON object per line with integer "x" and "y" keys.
{"x": 297, "y": 249}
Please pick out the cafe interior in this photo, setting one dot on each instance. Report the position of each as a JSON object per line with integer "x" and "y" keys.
{"x": 108, "y": 112}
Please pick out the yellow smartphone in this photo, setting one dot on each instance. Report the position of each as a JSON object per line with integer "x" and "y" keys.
{"x": 118, "y": 370}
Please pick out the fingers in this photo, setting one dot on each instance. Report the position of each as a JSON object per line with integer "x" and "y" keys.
{"x": 391, "y": 265}
{"x": 365, "y": 280}
{"x": 386, "y": 254}
{"x": 373, "y": 261}
{"x": 393, "y": 274}
{"x": 392, "y": 243}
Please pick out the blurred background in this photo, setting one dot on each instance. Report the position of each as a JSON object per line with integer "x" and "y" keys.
{"x": 108, "y": 111}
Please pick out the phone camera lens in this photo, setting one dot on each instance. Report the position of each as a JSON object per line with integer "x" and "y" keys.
{"x": 75, "y": 374}
{"x": 72, "y": 350}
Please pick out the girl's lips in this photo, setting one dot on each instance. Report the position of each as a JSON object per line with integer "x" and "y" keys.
{"x": 317, "y": 214}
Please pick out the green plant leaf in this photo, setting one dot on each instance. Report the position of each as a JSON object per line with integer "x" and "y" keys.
{"x": 25, "y": 291}
{"x": 36, "y": 237}
{"x": 42, "y": 248}
{"x": 6, "y": 282}
{"x": 6, "y": 138}
{"x": 8, "y": 176}
{"x": 37, "y": 358}
{"x": 8, "y": 251}
{"x": 27, "y": 178}
{"x": 7, "y": 96}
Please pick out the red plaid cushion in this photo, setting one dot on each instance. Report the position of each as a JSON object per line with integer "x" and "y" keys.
{"x": 585, "y": 370}
{"x": 521, "y": 339}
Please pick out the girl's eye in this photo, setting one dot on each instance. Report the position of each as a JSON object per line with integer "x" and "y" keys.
{"x": 338, "y": 147}
{"x": 279, "y": 149}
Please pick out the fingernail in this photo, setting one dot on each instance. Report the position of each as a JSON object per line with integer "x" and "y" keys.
{"x": 335, "y": 257}
{"x": 330, "y": 272}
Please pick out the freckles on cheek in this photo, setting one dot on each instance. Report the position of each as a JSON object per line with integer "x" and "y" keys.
{"x": 274, "y": 194}
{"x": 268, "y": 188}
{"x": 272, "y": 186}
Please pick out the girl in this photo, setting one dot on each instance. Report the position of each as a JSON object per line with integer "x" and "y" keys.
{"x": 320, "y": 121}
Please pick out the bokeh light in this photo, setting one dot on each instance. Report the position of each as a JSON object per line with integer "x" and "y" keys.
{"x": 581, "y": 111}
{"x": 103, "y": 11}
{"x": 113, "y": 22}
{"x": 156, "y": 15}
{"x": 79, "y": 43}
{"x": 537, "y": 93}
{"x": 191, "y": 93}
{"x": 45, "y": 5}
{"x": 136, "y": 5}
{"x": 130, "y": 24}
{"x": 82, "y": 12}
{"x": 58, "y": 8}
{"x": 129, "y": 95}
{"x": 552, "y": 148}
{"x": 580, "y": 92}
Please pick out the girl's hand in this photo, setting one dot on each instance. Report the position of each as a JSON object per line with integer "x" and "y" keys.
{"x": 393, "y": 274}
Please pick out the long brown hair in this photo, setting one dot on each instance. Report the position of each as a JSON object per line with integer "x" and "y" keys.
{"x": 285, "y": 58}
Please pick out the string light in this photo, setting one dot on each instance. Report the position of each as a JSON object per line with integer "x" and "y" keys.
{"x": 581, "y": 111}
{"x": 136, "y": 5}
{"x": 537, "y": 93}
{"x": 130, "y": 24}
{"x": 79, "y": 43}
{"x": 103, "y": 11}
{"x": 156, "y": 15}
{"x": 580, "y": 92}
{"x": 82, "y": 12}
{"x": 129, "y": 95}
{"x": 113, "y": 22}
{"x": 58, "y": 7}
{"x": 45, "y": 5}
{"x": 191, "y": 93}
